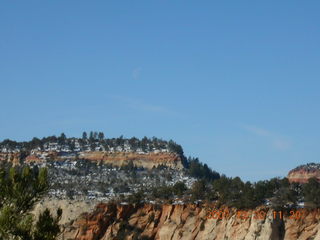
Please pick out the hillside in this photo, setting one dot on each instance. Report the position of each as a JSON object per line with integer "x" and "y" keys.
{"x": 146, "y": 153}
{"x": 95, "y": 142}
{"x": 150, "y": 190}
{"x": 93, "y": 167}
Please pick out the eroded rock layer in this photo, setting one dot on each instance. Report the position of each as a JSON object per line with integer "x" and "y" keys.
{"x": 170, "y": 222}
{"x": 146, "y": 160}
{"x": 303, "y": 173}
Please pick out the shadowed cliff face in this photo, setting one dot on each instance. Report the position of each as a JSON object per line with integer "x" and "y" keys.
{"x": 110, "y": 221}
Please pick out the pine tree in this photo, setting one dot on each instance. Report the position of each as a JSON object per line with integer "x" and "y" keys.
{"x": 91, "y": 137}
{"x": 100, "y": 136}
{"x": 62, "y": 139}
{"x": 20, "y": 189}
{"x": 84, "y": 135}
{"x": 311, "y": 192}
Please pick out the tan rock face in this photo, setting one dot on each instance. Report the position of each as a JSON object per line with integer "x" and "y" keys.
{"x": 110, "y": 221}
{"x": 148, "y": 160}
{"x": 32, "y": 158}
{"x": 302, "y": 176}
{"x": 303, "y": 173}
{"x": 141, "y": 160}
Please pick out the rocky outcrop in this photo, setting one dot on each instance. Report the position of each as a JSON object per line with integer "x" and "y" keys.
{"x": 146, "y": 160}
{"x": 170, "y": 222}
{"x": 303, "y": 173}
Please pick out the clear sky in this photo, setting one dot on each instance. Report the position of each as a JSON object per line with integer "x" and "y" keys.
{"x": 236, "y": 83}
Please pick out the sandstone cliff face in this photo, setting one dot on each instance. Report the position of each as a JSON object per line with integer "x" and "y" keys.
{"x": 303, "y": 173}
{"x": 302, "y": 176}
{"x": 170, "y": 222}
{"x": 148, "y": 160}
{"x": 141, "y": 160}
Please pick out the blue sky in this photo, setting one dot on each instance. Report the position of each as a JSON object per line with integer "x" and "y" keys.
{"x": 236, "y": 83}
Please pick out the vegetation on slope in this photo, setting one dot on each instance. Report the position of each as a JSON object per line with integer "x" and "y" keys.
{"x": 208, "y": 185}
{"x": 94, "y": 141}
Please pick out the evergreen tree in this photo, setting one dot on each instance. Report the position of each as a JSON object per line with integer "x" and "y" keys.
{"x": 91, "y": 137}
{"x": 198, "y": 190}
{"x": 35, "y": 143}
{"x": 84, "y": 135}
{"x": 95, "y": 135}
{"x": 62, "y": 139}
{"x": 200, "y": 170}
{"x": 47, "y": 227}
{"x": 20, "y": 189}
{"x": 179, "y": 188}
{"x": 100, "y": 136}
{"x": 311, "y": 192}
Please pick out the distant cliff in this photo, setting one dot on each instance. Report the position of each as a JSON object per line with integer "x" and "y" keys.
{"x": 303, "y": 173}
{"x": 145, "y": 152}
{"x": 147, "y": 160}
{"x": 110, "y": 221}
{"x": 95, "y": 142}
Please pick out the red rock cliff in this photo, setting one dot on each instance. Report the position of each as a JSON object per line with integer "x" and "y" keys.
{"x": 110, "y": 221}
{"x": 303, "y": 173}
